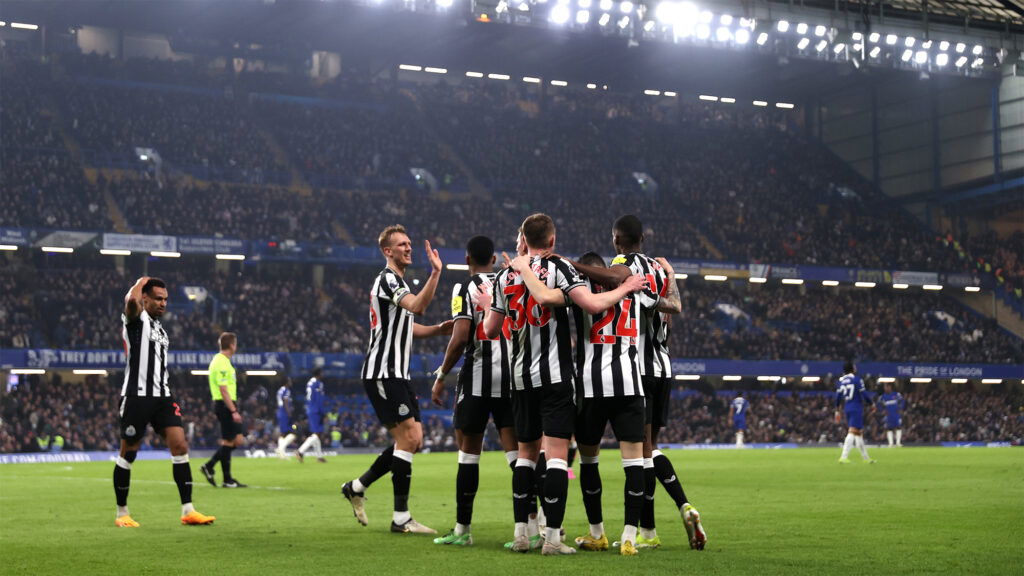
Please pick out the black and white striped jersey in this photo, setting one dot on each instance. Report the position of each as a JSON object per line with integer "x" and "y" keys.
{"x": 486, "y": 371}
{"x": 145, "y": 344}
{"x": 541, "y": 337}
{"x": 653, "y": 346}
{"x": 607, "y": 359}
{"x": 390, "y": 346}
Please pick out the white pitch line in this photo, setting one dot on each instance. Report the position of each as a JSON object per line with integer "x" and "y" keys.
{"x": 161, "y": 482}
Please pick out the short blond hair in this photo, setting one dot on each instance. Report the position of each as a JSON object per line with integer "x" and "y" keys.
{"x": 384, "y": 240}
{"x": 227, "y": 340}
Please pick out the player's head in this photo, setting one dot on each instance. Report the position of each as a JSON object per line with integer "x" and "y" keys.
{"x": 228, "y": 342}
{"x": 480, "y": 252}
{"x": 593, "y": 259}
{"x": 849, "y": 368}
{"x": 395, "y": 245}
{"x": 888, "y": 387}
{"x": 539, "y": 232}
{"x": 627, "y": 234}
{"x": 154, "y": 297}
{"x": 318, "y": 372}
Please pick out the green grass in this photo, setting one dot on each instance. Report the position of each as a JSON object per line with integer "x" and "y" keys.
{"x": 918, "y": 511}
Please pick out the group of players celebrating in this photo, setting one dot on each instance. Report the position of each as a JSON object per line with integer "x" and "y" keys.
{"x": 521, "y": 369}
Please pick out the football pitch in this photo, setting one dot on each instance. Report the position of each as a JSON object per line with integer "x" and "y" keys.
{"x": 917, "y": 511}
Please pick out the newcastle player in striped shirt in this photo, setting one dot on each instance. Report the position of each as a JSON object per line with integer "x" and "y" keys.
{"x": 483, "y": 388}
{"x": 660, "y": 299}
{"x": 542, "y": 368}
{"x": 386, "y": 374}
{"x": 146, "y": 399}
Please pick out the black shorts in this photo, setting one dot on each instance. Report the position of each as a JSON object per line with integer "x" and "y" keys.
{"x": 546, "y": 411}
{"x": 658, "y": 391}
{"x": 473, "y": 412}
{"x": 626, "y": 414}
{"x": 136, "y": 412}
{"x": 228, "y": 427}
{"x": 393, "y": 400}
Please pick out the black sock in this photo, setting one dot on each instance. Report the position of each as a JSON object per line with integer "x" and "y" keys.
{"x": 522, "y": 492}
{"x": 539, "y": 474}
{"x": 647, "y": 515}
{"x": 572, "y": 454}
{"x": 401, "y": 480}
{"x": 380, "y": 467}
{"x": 225, "y": 462}
{"x": 467, "y": 481}
{"x": 556, "y": 488}
{"x": 667, "y": 476}
{"x": 182, "y": 472}
{"x": 217, "y": 455}
{"x": 590, "y": 485}
{"x": 634, "y": 495}
{"x": 123, "y": 480}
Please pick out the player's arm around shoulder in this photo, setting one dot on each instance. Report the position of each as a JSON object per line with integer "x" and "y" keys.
{"x": 541, "y": 292}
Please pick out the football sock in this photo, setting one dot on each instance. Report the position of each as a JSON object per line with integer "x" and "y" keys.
{"x": 590, "y": 484}
{"x": 629, "y": 534}
{"x": 309, "y": 442}
{"x": 556, "y": 487}
{"x": 401, "y": 480}
{"x": 522, "y": 489}
{"x": 467, "y": 481}
{"x": 650, "y": 482}
{"x": 634, "y": 492}
{"x": 380, "y": 467}
{"x": 899, "y": 436}
{"x": 666, "y": 474}
{"x": 539, "y": 474}
{"x": 225, "y": 462}
{"x": 889, "y": 435}
{"x": 572, "y": 453}
{"x": 859, "y": 440}
{"x": 511, "y": 456}
{"x": 182, "y": 473}
{"x": 123, "y": 479}
{"x": 217, "y": 455}
{"x": 847, "y": 444}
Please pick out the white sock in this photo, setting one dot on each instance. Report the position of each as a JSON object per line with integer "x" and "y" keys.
{"x": 649, "y": 534}
{"x": 862, "y": 447}
{"x": 888, "y": 434}
{"x": 122, "y": 511}
{"x": 899, "y": 437}
{"x": 520, "y": 529}
{"x": 532, "y": 529}
{"x": 629, "y": 534}
{"x": 317, "y": 448}
{"x": 401, "y": 517}
{"x": 596, "y": 530}
{"x": 553, "y": 535}
{"x": 847, "y": 444}
{"x": 739, "y": 438}
{"x": 461, "y": 529}
{"x": 541, "y": 519}
{"x": 511, "y": 456}
{"x": 357, "y": 486}
{"x": 305, "y": 445}
{"x": 284, "y": 441}
{"x": 186, "y": 508}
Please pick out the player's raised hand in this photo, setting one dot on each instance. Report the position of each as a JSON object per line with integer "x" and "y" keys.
{"x": 505, "y": 260}
{"x": 664, "y": 264}
{"x": 635, "y": 283}
{"x": 433, "y": 256}
{"x": 483, "y": 296}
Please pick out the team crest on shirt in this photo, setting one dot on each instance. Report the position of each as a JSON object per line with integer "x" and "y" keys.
{"x": 129, "y": 431}
{"x": 403, "y": 410}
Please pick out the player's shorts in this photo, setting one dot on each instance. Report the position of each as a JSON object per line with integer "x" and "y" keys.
{"x": 893, "y": 423}
{"x": 136, "y": 412}
{"x": 393, "y": 400}
{"x": 473, "y": 412}
{"x": 626, "y": 414}
{"x": 316, "y": 422}
{"x": 658, "y": 391}
{"x": 228, "y": 427}
{"x": 284, "y": 423}
{"x": 855, "y": 419}
{"x": 546, "y": 411}
{"x": 740, "y": 423}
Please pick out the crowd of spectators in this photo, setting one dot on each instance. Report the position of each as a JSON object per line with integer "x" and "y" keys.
{"x": 708, "y": 181}
{"x": 280, "y": 308}
{"x": 84, "y": 414}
